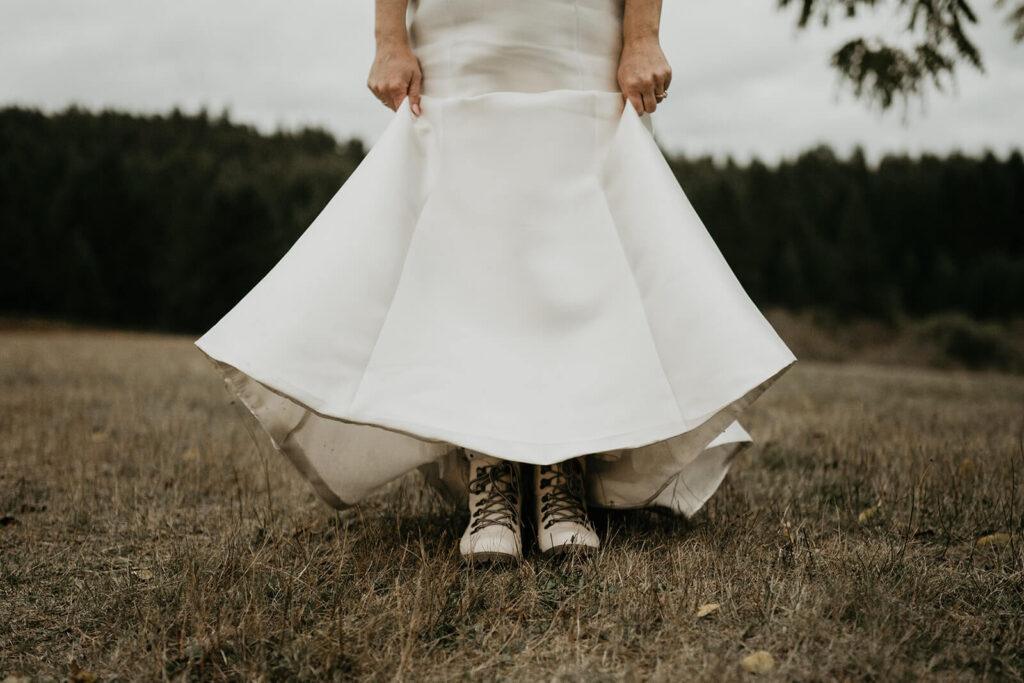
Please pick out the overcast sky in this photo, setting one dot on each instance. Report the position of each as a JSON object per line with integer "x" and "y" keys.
{"x": 745, "y": 81}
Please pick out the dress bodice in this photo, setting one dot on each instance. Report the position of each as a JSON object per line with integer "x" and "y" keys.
{"x": 470, "y": 47}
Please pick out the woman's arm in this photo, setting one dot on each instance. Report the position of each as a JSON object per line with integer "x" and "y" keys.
{"x": 644, "y": 73}
{"x": 395, "y": 71}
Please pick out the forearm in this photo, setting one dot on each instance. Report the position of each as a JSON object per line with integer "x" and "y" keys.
{"x": 644, "y": 73}
{"x": 389, "y": 22}
{"x": 395, "y": 72}
{"x": 641, "y": 20}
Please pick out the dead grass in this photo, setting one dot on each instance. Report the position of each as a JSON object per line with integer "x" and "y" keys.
{"x": 146, "y": 537}
{"x": 946, "y": 341}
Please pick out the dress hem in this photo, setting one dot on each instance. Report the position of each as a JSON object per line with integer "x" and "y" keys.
{"x": 431, "y": 434}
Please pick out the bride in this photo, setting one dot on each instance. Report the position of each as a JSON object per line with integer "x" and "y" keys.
{"x": 511, "y": 292}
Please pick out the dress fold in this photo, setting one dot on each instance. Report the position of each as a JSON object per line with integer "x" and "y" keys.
{"x": 516, "y": 273}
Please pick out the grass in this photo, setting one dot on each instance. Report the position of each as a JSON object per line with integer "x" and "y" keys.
{"x": 147, "y": 536}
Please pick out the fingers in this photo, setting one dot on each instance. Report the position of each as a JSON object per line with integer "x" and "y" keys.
{"x": 370, "y": 84}
{"x": 643, "y": 91}
{"x": 394, "y": 94}
{"x": 635, "y": 99}
{"x": 395, "y": 90}
{"x": 650, "y": 103}
{"x": 383, "y": 94}
{"x": 389, "y": 92}
{"x": 414, "y": 92}
{"x": 659, "y": 90}
{"x": 642, "y": 99}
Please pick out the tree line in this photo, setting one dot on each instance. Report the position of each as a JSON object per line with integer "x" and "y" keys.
{"x": 164, "y": 221}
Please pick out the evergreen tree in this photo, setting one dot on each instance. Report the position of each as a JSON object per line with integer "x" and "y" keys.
{"x": 164, "y": 222}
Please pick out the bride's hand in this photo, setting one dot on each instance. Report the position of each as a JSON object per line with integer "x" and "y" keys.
{"x": 395, "y": 73}
{"x": 644, "y": 73}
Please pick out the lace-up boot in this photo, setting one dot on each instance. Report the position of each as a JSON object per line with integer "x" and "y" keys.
{"x": 562, "y": 521}
{"x": 493, "y": 533}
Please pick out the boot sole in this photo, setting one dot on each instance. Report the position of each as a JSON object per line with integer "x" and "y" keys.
{"x": 492, "y": 558}
{"x": 570, "y": 549}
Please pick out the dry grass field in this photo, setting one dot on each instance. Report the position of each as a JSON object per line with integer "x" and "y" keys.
{"x": 872, "y": 533}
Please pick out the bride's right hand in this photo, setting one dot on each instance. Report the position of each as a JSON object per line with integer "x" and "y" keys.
{"x": 395, "y": 73}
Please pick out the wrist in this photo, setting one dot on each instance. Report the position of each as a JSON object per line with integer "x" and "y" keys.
{"x": 391, "y": 39}
{"x": 633, "y": 38}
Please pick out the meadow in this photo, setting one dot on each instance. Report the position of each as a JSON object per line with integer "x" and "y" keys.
{"x": 148, "y": 531}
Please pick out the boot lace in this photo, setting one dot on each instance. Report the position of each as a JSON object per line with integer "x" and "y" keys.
{"x": 500, "y": 488}
{"x": 564, "y": 502}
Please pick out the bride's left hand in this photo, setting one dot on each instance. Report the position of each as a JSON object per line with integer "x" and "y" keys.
{"x": 644, "y": 73}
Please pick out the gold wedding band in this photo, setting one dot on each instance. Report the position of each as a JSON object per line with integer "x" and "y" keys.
{"x": 659, "y": 98}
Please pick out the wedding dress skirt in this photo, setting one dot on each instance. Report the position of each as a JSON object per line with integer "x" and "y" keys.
{"x": 516, "y": 271}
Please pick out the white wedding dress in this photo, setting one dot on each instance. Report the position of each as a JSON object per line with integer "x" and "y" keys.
{"x": 515, "y": 271}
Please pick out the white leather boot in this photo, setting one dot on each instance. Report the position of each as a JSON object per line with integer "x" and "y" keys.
{"x": 561, "y": 509}
{"x": 493, "y": 533}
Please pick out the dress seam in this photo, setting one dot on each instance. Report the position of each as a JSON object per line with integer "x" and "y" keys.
{"x": 448, "y": 47}
{"x": 394, "y": 294}
{"x": 576, "y": 42}
{"x": 640, "y": 298}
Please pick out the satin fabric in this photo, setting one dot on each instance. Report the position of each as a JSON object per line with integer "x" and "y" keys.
{"x": 515, "y": 271}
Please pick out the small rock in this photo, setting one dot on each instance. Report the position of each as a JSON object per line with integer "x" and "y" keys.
{"x": 705, "y": 610}
{"x": 995, "y": 539}
{"x": 760, "y": 662}
{"x": 868, "y": 513}
{"x": 77, "y": 674}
